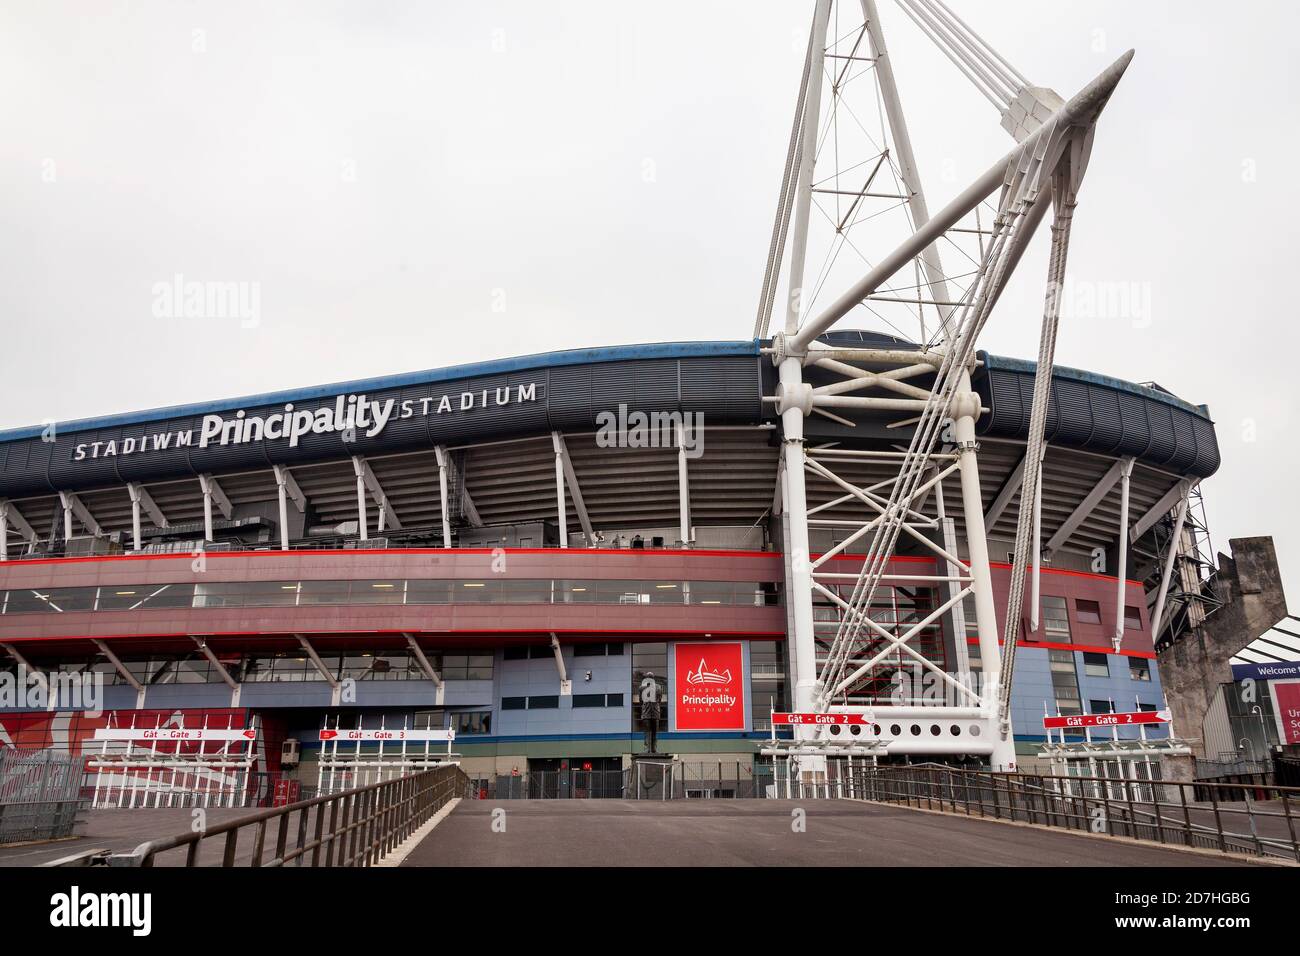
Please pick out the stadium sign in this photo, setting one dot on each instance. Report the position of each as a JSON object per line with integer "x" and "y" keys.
{"x": 173, "y": 733}
{"x": 353, "y": 416}
{"x": 709, "y": 686}
{"x": 810, "y": 718}
{"x": 394, "y": 735}
{"x": 1107, "y": 720}
{"x": 1277, "y": 670}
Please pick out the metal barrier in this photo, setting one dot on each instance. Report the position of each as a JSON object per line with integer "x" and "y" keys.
{"x": 40, "y": 794}
{"x": 352, "y": 828}
{"x": 1257, "y": 820}
{"x": 719, "y": 780}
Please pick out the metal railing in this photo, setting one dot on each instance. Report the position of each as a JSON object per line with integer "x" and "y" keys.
{"x": 40, "y": 794}
{"x": 1257, "y": 821}
{"x": 719, "y": 780}
{"x": 356, "y": 827}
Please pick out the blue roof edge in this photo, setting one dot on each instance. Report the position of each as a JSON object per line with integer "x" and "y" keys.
{"x": 613, "y": 353}
{"x": 996, "y": 362}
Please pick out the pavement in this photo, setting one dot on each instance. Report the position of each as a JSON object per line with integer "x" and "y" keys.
{"x": 124, "y": 830}
{"x": 761, "y": 833}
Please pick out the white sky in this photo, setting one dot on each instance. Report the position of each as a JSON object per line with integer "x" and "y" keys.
{"x": 386, "y": 172}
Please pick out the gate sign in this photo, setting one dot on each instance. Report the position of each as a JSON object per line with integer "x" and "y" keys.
{"x": 709, "y": 686}
{"x": 1286, "y": 709}
{"x": 173, "y": 733}
{"x": 802, "y": 718}
{"x": 397, "y": 734}
{"x": 1107, "y": 720}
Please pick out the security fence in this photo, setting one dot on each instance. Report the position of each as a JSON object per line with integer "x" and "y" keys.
{"x": 40, "y": 794}
{"x": 1256, "y": 820}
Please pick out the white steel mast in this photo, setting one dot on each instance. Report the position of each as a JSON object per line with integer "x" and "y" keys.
{"x": 831, "y": 657}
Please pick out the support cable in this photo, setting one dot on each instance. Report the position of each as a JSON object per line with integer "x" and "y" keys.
{"x": 785, "y": 203}
{"x": 1062, "y": 221}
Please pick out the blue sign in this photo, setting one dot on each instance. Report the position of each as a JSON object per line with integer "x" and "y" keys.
{"x": 1278, "y": 670}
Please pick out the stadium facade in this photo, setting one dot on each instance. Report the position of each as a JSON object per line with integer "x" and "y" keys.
{"x": 507, "y": 549}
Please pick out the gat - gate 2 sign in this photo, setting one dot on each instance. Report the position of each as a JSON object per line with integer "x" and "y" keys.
{"x": 709, "y": 687}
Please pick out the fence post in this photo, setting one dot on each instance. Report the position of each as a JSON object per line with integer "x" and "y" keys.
{"x": 1218, "y": 820}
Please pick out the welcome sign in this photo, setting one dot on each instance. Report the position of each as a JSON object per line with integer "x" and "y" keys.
{"x": 709, "y": 686}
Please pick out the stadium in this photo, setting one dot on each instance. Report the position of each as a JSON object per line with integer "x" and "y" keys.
{"x": 506, "y": 550}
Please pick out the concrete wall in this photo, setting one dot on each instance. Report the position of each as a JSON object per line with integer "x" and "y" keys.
{"x": 1250, "y": 585}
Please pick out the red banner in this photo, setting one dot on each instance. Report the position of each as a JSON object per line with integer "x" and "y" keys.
{"x": 1107, "y": 720}
{"x": 709, "y": 687}
{"x": 778, "y": 718}
{"x": 1286, "y": 708}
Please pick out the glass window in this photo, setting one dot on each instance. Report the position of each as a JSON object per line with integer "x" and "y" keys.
{"x": 1089, "y": 612}
{"x": 429, "y": 592}
{"x": 51, "y": 600}
{"x": 1095, "y": 665}
{"x": 589, "y": 650}
{"x": 1056, "y": 618}
{"x": 1132, "y": 618}
{"x": 1100, "y": 707}
{"x": 588, "y": 700}
{"x": 1139, "y": 668}
{"x": 544, "y": 702}
{"x": 323, "y": 592}
{"x": 576, "y": 592}
{"x": 130, "y": 597}
{"x": 613, "y": 700}
{"x": 514, "y": 703}
{"x": 265, "y": 593}
{"x": 219, "y": 594}
{"x": 378, "y": 592}
{"x": 516, "y": 653}
{"x": 472, "y": 722}
{"x": 477, "y": 592}
{"x": 713, "y": 592}
{"x": 466, "y": 666}
{"x": 1065, "y": 681}
{"x": 664, "y": 592}
{"x": 527, "y": 592}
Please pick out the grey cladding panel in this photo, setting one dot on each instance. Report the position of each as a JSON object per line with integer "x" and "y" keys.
{"x": 1094, "y": 416}
{"x": 564, "y": 397}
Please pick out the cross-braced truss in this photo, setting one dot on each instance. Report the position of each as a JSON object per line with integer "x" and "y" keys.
{"x": 922, "y": 390}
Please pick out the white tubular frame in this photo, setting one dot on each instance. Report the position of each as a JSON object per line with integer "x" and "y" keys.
{"x": 1051, "y": 158}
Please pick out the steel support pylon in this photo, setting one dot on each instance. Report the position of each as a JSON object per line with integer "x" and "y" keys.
{"x": 835, "y": 654}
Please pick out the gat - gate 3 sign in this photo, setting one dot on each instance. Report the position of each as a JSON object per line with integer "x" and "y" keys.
{"x": 709, "y": 686}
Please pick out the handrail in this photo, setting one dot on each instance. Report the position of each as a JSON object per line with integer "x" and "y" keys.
{"x": 1177, "y": 812}
{"x": 364, "y": 824}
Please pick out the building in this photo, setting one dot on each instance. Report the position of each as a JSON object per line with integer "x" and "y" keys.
{"x": 507, "y": 549}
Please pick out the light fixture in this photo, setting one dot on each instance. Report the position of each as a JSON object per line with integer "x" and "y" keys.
{"x": 125, "y": 593}
{"x": 472, "y": 584}
{"x": 662, "y": 586}
{"x": 381, "y": 585}
{"x": 710, "y": 602}
{"x": 576, "y": 590}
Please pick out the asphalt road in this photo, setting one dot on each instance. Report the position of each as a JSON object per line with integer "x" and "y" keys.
{"x": 759, "y": 833}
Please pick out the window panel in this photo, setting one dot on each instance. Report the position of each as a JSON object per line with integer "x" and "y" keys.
{"x": 1089, "y": 612}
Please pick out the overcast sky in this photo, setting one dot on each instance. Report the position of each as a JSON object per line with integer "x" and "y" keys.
{"x": 410, "y": 185}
